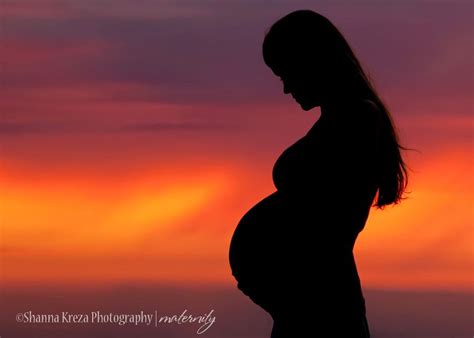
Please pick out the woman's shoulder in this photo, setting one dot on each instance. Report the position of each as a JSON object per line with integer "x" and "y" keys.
{"x": 359, "y": 115}
{"x": 350, "y": 118}
{"x": 354, "y": 108}
{"x": 357, "y": 123}
{"x": 362, "y": 110}
{"x": 369, "y": 104}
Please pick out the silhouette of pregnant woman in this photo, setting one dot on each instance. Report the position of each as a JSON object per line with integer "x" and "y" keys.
{"x": 292, "y": 253}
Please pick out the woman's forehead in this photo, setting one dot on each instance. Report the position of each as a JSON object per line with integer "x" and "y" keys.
{"x": 286, "y": 68}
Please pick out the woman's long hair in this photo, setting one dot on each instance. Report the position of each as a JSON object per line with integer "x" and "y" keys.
{"x": 305, "y": 37}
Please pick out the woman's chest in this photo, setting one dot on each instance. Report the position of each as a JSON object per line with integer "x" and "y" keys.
{"x": 298, "y": 165}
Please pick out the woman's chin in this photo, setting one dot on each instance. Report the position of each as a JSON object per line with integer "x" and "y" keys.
{"x": 306, "y": 106}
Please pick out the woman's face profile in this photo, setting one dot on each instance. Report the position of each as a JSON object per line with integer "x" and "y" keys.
{"x": 301, "y": 82}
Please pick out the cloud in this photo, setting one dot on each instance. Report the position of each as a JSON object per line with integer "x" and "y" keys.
{"x": 169, "y": 126}
{"x": 148, "y": 9}
{"x": 19, "y": 128}
{"x": 176, "y": 48}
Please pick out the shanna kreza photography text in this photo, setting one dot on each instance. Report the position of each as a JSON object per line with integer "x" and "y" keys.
{"x": 97, "y": 317}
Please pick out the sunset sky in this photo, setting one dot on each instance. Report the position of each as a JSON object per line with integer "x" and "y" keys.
{"x": 134, "y": 135}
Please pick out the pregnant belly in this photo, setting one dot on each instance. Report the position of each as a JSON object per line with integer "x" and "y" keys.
{"x": 257, "y": 253}
{"x": 274, "y": 248}
{"x": 268, "y": 237}
{"x": 249, "y": 233}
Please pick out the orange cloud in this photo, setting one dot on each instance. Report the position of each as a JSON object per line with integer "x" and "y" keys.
{"x": 426, "y": 241}
{"x": 168, "y": 224}
{"x": 177, "y": 227}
